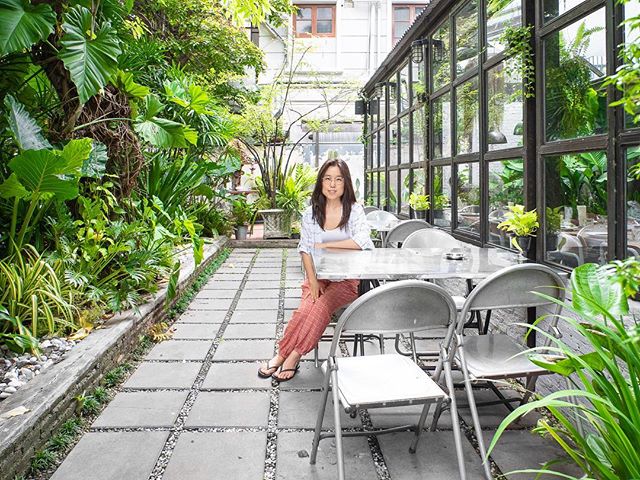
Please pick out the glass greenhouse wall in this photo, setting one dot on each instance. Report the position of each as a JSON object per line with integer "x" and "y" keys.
{"x": 454, "y": 119}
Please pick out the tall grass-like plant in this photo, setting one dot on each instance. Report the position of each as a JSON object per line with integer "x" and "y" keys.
{"x": 597, "y": 419}
{"x": 33, "y": 294}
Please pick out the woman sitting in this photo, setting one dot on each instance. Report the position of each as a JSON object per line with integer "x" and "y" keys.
{"x": 334, "y": 220}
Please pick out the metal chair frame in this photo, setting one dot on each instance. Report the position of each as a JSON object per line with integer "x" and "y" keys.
{"x": 511, "y": 287}
{"x": 401, "y": 231}
{"x": 406, "y": 306}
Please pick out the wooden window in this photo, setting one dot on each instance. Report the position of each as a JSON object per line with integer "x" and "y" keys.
{"x": 403, "y": 17}
{"x": 315, "y": 21}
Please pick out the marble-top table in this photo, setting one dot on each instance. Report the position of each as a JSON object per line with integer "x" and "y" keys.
{"x": 407, "y": 263}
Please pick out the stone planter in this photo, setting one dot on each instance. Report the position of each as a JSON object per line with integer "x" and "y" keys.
{"x": 241, "y": 232}
{"x": 277, "y": 223}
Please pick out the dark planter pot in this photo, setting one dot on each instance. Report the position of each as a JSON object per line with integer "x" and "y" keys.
{"x": 419, "y": 214}
{"x": 241, "y": 232}
{"x": 524, "y": 243}
{"x": 295, "y": 236}
{"x": 438, "y": 213}
{"x": 552, "y": 241}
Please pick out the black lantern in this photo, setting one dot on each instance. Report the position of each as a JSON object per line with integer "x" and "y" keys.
{"x": 438, "y": 50}
{"x": 417, "y": 51}
{"x": 496, "y": 137}
{"x": 379, "y": 89}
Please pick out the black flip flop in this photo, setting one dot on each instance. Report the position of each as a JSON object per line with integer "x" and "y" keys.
{"x": 280, "y": 370}
{"x": 268, "y": 375}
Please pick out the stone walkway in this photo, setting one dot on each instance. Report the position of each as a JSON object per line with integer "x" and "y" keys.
{"x": 195, "y": 408}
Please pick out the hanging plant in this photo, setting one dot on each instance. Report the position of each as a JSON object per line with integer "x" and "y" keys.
{"x": 520, "y": 53}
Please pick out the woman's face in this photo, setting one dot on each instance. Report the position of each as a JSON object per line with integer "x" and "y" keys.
{"x": 332, "y": 183}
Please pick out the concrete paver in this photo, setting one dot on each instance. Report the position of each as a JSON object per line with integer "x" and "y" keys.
{"x": 219, "y": 283}
{"x": 244, "y": 350}
{"x": 229, "y": 409}
{"x": 238, "y": 375}
{"x": 164, "y": 375}
{"x": 203, "y": 316}
{"x": 260, "y": 293}
{"x": 180, "y": 350}
{"x": 142, "y": 409}
{"x": 250, "y": 330}
{"x": 300, "y": 410}
{"x": 257, "y": 304}
{"x": 254, "y": 316}
{"x": 215, "y": 294}
{"x": 112, "y": 456}
{"x": 211, "y": 304}
{"x": 219, "y": 455}
{"x": 187, "y": 331}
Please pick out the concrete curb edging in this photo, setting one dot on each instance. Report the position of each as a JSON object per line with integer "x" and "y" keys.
{"x": 50, "y": 397}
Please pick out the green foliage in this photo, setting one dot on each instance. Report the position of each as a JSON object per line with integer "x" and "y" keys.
{"x": 520, "y": 52}
{"x": 583, "y": 180}
{"x": 506, "y": 185}
{"x": 605, "y": 382}
{"x": 553, "y": 219}
{"x": 43, "y": 459}
{"x": 19, "y": 339}
{"x": 242, "y": 211}
{"x": 26, "y": 132}
{"x": 23, "y": 24}
{"x": 419, "y": 201}
{"x": 296, "y": 190}
{"x": 116, "y": 375}
{"x": 627, "y": 274}
{"x": 519, "y": 223}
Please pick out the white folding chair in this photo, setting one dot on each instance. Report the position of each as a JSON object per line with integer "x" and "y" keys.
{"x": 376, "y": 381}
{"x": 399, "y": 233}
{"x": 496, "y": 356}
{"x": 370, "y": 208}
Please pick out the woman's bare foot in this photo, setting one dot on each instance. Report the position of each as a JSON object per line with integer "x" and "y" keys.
{"x": 289, "y": 367}
{"x": 269, "y": 368}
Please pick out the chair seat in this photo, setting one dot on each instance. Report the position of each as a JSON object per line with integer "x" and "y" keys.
{"x": 459, "y": 301}
{"x": 379, "y": 380}
{"x": 497, "y": 356}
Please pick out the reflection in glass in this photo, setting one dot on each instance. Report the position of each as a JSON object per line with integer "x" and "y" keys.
{"x": 404, "y": 88}
{"x": 419, "y": 132}
{"x": 392, "y": 201}
{"x": 382, "y": 152}
{"x": 393, "y": 96}
{"x": 375, "y": 191}
{"x": 632, "y": 40}
{"x": 303, "y": 20}
{"x": 441, "y": 198}
{"x": 505, "y": 188}
{"x": 404, "y": 140}
{"x": 393, "y": 143}
{"x": 500, "y": 14}
{"x": 467, "y": 38}
{"x": 442, "y": 126}
{"x": 369, "y": 198}
{"x": 440, "y": 57}
{"x": 575, "y": 64}
{"x": 555, "y": 8}
{"x": 467, "y": 109}
{"x": 404, "y": 191}
{"x": 504, "y": 94}
{"x": 468, "y": 195}
{"x": 576, "y": 208}
{"x": 633, "y": 201}
{"x": 374, "y": 151}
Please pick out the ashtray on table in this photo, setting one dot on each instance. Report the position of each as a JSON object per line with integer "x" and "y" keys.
{"x": 454, "y": 255}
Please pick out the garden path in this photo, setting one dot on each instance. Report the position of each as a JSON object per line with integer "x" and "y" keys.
{"x": 195, "y": 409}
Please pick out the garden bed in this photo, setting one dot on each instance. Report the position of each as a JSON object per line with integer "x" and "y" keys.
{"x": 49, "y": 399}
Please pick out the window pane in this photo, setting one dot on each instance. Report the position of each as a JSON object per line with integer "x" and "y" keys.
{"x": 505, "y": 188}
{"x": 374, "y": 152}
{"x": 324, "y": 26}
{"x": 468, "y": 195}
{"x": 504, "y": 93}
{"x": 631, "y": 9}
{"x": 575, "y": 57}
{"x": 382, "y": 107}
{"x": 633, "y": 201}
{"x": 441, "y": 198}
{"x": 375, "y": 190}
{"x": 404, "y": 191}
{"x": 393, "y": 96}
{"x": 393, "y": 143}
{"x": 304, "y": 13}
{"x": 419, "y": 130}
{"x": 401, "y": 14}
{"x": 404, "y": 88}
{"x": 555, "y": 8}
{"x": 392, "y": 202}
{"x": 303, "y": 26}
{"x": 369, "y": 197}
{"x": 404, "y": 140}
{"x": 418, "y": 86}
{"x": 442, "y": 126}
{"x": 467, "y": 108}
{"x": 324, "y": 13}
{"x": 440, "y": 57}
{"x": 382, "y": 153}
{"x": 399, "y": 28}
{"x": 467, "y": 38}
{"x": 500, "y": 13}
{"x": 576, "y": 208}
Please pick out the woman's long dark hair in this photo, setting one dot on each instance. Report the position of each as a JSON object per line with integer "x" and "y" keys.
{"x": 319, "y": 201}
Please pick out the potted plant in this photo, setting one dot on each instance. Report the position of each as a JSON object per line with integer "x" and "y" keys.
{"x": 553, "y": 220}
{"x": 420, "y": 204}
{"x": 521, "y": 225}
{"x": 439, "y": 203}
{"x": 242, "y": 212}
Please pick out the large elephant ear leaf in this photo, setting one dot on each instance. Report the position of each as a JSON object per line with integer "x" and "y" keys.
{"x": 23, "y": 24}
{"x": 594, "y": 293}
{"x": 12, "y": 187}
{"x": 76, "y": 152}
{"x": 91, "y": 56}
{"x": 163, "y": 133}
{"x": 96, "y": 165}
{"x": 25, "y": 130}
{"x": 44, "y": 172}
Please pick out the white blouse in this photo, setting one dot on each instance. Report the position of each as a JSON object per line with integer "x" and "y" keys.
{"x": 357, "y": 229}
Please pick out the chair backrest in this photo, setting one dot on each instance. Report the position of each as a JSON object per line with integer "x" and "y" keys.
{"x": 572, "y": 244}
{"x": 400, "y": 307}
{"x": 401, "y": 231}
{"x": 369, "y": 209}
{"x": 381, "y": 216}
{"x": 430, "y": 238}
{"x": 514, "y": 287}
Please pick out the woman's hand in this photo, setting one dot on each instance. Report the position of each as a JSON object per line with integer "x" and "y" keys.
{"x": 315, "y": 289}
